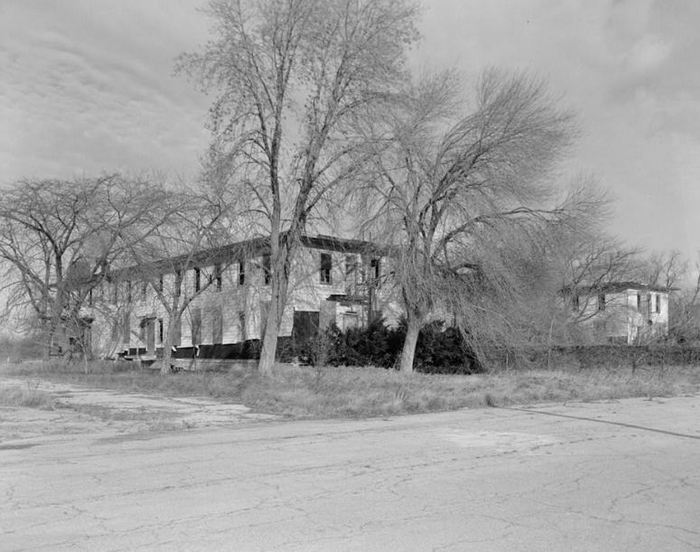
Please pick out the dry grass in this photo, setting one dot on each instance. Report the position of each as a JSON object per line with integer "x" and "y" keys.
{"x": 302, "y": 392}
{"x": 27, "y": 395}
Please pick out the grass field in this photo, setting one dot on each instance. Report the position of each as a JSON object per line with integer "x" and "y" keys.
{"x": 306, "y": 392}
{"x": 25, "y": 394}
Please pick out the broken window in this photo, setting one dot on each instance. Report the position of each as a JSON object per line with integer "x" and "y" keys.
{"x": 267, "y": 269}
{"x": 375, "y": 268}
{"x": 241, "y": 273}
{"x": 197, "y": 279}
{"x": 326, "y": 267}
{"x": 178, "y": 283}
{"x": 351, "y": 269}
{"x": 218, "y": 277}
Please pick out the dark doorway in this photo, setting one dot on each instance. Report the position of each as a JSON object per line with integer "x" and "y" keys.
{"x": 305, "y": 326}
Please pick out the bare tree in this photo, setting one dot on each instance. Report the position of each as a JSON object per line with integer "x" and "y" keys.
{"x": 290, "y": 75}
{"x": 684, "y": 313}
{"x": 458, "y": 188}
{"x": 589, "y": 263}
{"x": 664, "y": 268}
{"x": 193, "y": 239}
{"x": 669, "y": 270}
{"x": 58, "y": 239}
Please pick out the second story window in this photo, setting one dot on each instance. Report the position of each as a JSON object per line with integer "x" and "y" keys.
{"x": 144, "y": 290}
{"x": 375, "y": 269}
{"x": 160, "y": 283}
{"x": 326, "y": 267}
{"x": 241, "y": 273}
{"x": 128, "y": 291}
{"x": 218, "y": 280}
{"x": 178, "y": 283}
{"x": 657, "y": 303}
{"x": 639, "y": 301}
{"x": 351, "y": 269}
{"x": 267, "y": 270}
{"x": 575, "y": 303}
{"x": 197, "y": 279}
{"x": 601, "y": 301}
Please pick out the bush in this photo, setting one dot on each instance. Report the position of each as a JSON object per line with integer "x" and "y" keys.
{"x": 439, "y": 350}
{"x": 444, "y": 351}
{"x": 16, "y": 349}
{"x": 28, "y": 396}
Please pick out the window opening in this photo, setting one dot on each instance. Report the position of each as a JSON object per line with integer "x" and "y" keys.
{"x": 326, "y": 267}
{"x": 267, "y": 269}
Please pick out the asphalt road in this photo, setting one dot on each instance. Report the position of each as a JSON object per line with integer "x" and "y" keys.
{"x": 608, "y": 476}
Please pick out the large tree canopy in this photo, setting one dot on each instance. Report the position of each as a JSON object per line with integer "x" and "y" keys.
{"x": 466, "y": 191}
{"x": 290, "y": 76}
{"x": 58, "y": 239}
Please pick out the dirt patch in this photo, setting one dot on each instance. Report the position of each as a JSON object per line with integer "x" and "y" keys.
{"x": 77, "y": 410}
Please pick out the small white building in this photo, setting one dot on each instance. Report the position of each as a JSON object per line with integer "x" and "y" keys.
{"x": 621, "y": 312}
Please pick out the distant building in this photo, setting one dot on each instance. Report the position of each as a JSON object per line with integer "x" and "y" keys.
{"x": 621, "y": 312}
{"x": 332, "y": 280}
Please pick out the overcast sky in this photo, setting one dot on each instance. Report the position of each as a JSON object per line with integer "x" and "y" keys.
{"x": 86, "y": 86}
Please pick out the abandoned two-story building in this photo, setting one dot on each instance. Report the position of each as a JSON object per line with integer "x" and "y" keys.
{"x": 622, "y": 312}
{"x": 216, "y": 299}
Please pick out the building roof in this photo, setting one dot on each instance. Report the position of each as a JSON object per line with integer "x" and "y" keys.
{"x": 244, "y": 250}
{"x": 615, "y": 287}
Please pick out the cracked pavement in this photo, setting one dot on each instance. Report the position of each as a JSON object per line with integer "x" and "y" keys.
{"x": 621, "y": 475}
{"x": 80, "y": 409}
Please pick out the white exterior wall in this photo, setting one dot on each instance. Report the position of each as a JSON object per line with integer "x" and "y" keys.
{"x": 622, "y": 319}
{"x": 306, "y": 293}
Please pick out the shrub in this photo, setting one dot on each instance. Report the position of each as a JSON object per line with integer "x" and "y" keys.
{"x": 439, "y": 349}
{"x": 29, "y": 396}
{"x": 16, "y": 349}
{"x": 443, "y": 350}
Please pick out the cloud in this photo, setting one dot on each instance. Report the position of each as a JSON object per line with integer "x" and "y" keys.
{"x": 88, "y": 86}
{"x": 80, "y": 98}
{"x": 627, "y": 68}
{"x": 647, "y": 53}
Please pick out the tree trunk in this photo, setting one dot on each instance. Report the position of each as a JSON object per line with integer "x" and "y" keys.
{"x": 168, "y": 345}
{"x": 269, "y": 344}
{"x": 409, "y": 345}
{"x": 278, "y": 300}
{"x": 48, "y": 338}
{"x": 167, "y": 358}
